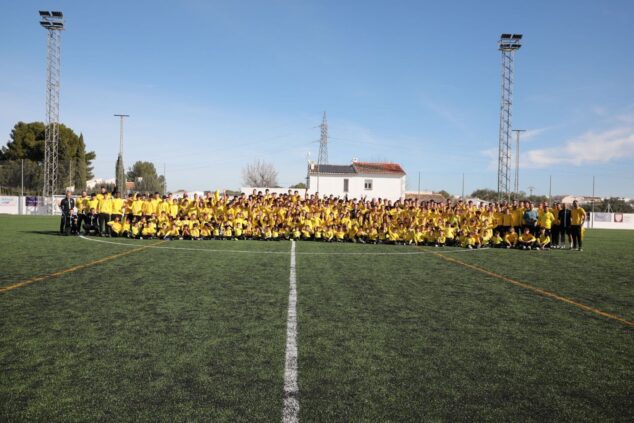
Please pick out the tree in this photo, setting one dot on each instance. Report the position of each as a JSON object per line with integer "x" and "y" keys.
{"x": 445, "y": 194}
{"x": 485, "y": 194}
{"x": 300, "y": 185}
{"x": 118, "y": 173}
{"x": 613, "y": 204}
{"x": 145, "y": 177}
{"x": 27, "y": 142}
{"x": 259, "y": 174}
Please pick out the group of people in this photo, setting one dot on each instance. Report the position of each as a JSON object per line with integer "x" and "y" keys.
{"x": 269, "y": 216}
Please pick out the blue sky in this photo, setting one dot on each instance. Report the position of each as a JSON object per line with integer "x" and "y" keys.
{"x": 213, "y": 85}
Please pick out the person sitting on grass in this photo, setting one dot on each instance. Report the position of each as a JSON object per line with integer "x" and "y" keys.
{"x": 116, "y": 228}
{"x": 510, "y": 239}
{"x": 136, "y": 229}
{"x": 149, "y": 230}
{"x": 195, "y": 232}
{"x": 497, "y": 241}
{"x": 527, "y": 240}
{"x": 441, "y": 239}
{"x": 543, "y": 242}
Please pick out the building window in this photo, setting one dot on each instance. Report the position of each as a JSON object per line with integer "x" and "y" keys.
{"x": 345, "y": 185}
{"x": 368, "y": 184}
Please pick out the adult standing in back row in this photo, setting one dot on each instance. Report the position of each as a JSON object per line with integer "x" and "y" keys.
{"x": 66, "y": 205}
{"x": 578, "y": 218}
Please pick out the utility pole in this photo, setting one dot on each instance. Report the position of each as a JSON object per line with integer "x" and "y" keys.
{"x": 550, "y": 189}
{"x": 164, "y": 180}
{"x": 22, "y": 187}
{"x": 508, "y": 45}
{"x": 592, "y": 215}
{"x": 517, "y": 160}
{"x": 530, "y": 190}
{"x": 120, "y": 176}
{"x": 419, "y": 182}
{"x": 53, "y": 22}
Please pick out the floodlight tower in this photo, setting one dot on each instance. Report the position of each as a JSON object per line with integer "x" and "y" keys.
{"x": 508, "y": 44}
{"x": 120, "y": 176}
{"x": 53, "y": 22}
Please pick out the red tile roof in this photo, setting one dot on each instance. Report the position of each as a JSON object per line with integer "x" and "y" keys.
{"x": 365, "y": 167}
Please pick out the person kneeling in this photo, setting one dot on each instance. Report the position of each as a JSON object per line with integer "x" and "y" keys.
{"x": 543, "y": 242}
{"x": 527, "y": 240}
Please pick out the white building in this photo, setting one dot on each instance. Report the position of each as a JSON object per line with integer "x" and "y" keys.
{"x": 357, "y": 180}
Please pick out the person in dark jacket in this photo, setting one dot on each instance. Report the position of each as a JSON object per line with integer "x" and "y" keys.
{"x": 66, "y": 205}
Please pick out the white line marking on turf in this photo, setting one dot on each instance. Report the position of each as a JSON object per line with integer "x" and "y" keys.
{"x": 290, "y": 412}
{"x": 307, "y": 253}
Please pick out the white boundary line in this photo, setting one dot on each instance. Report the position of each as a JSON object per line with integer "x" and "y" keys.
{"x": 317, "y": 253}
{"x": 290, "y": 411}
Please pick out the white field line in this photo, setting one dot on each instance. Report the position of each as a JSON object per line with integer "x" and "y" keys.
{"x": 290, "y": 411}
{"x": 316, "y": 253}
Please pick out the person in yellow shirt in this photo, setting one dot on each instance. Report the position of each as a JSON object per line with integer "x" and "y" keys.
{"x": 527, "y": 240}
{"x": 496, "y": 240}
{"x": 117, "y": 206}
{"x": 195, "y": 232}
{"x": 148, "y": 231}
{"x": 83, "y": 208}
{"x": 543, "y": 241}
{"x": 510, "y": 239}
{"x": 441, "y": 239}
{"x": 577, "y": 219}
{"x": 546, "y": 219}
{"x": 104, "y": 206}
{"x": 116, "y": 228}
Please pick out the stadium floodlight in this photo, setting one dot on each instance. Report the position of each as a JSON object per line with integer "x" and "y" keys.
{"x": 507, "y": 44}
{"x": 53, "y": 22}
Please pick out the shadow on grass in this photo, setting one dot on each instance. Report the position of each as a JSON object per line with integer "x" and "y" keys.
{"x": 56, "y": 233}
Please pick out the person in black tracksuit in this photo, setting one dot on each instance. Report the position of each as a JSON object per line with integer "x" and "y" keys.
{"x": 565, "y": 222}
{"x": 66, "y": 205}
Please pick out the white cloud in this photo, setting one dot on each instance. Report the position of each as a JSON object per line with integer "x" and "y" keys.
{"x": 589, "y": 148}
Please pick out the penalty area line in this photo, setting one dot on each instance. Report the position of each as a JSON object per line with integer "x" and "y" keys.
{"x": 290, "y": 411}
{"x": 541, "y": 291}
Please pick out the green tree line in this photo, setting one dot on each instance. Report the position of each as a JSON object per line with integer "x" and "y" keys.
{"x": 26, "y": 142}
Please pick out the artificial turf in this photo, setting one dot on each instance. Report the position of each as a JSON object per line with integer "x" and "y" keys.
{"x": 196, "y": 331}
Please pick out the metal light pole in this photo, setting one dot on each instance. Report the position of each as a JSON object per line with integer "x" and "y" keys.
{"x": 592, "y": 216}
{"x": 53, "y": 22}
{"x": 120, "y": 177}
{"x": 508, "y": 44}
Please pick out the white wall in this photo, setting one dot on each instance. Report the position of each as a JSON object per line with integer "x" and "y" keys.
{"x": 383, "y": 186}
{"x": 18, "y": 205}
{"x": 610, "y": 221}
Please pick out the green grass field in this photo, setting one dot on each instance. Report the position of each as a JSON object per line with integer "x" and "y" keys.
{"x": 196, "y": 331}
